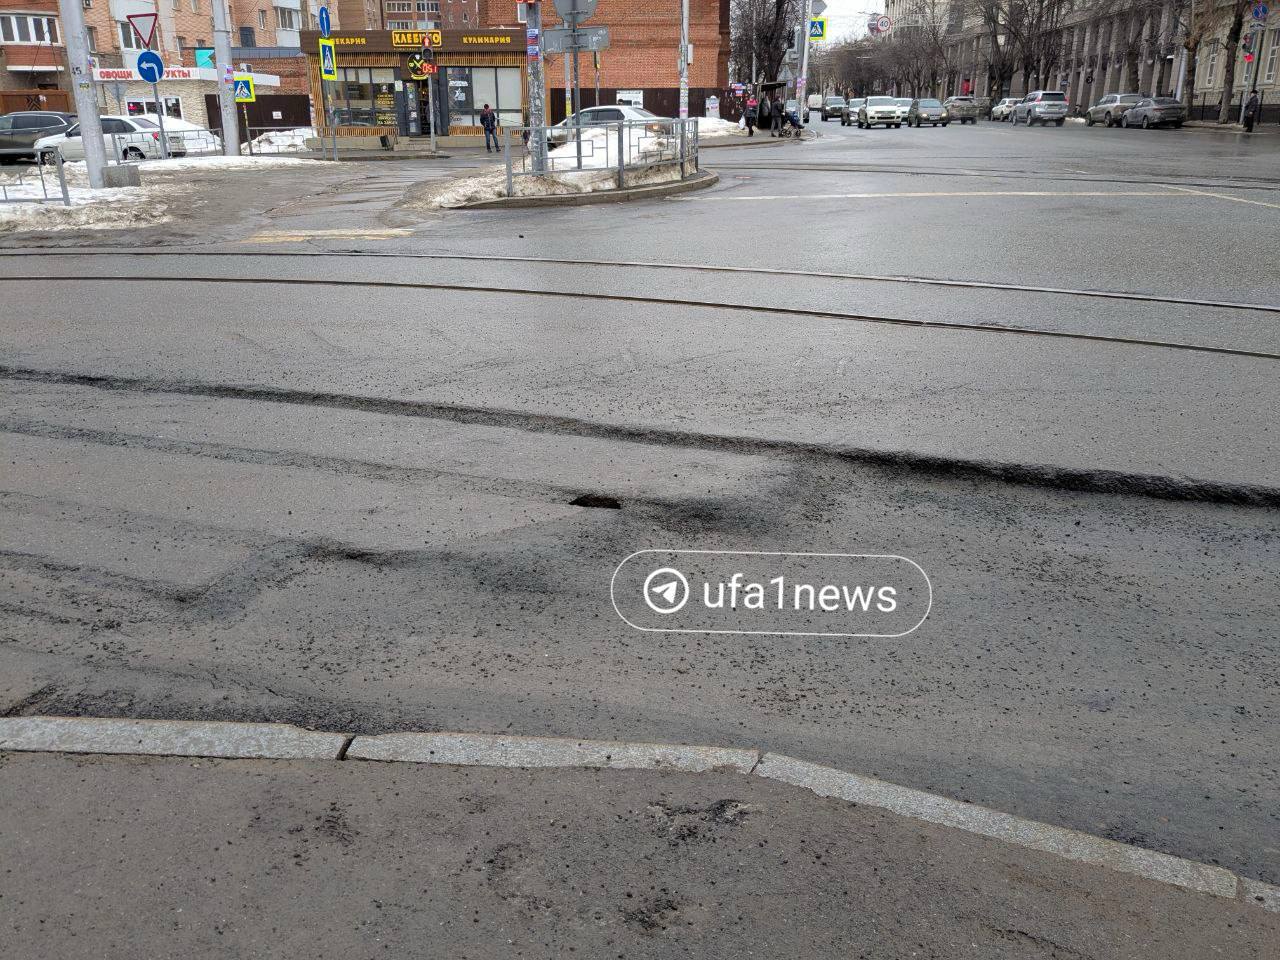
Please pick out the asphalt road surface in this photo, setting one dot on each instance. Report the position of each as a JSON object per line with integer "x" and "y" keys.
{"x": 343, "y": 494}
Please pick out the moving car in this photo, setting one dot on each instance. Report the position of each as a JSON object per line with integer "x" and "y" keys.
{"x": 849, "y": 112}
{"x": 904, "y": 107}
{"x": 1041, "y": 106}
{"x": 20, "y": 131}
{"x": 1154, "y": 112}
{"x": 1110, "y": 108}
{"x": 1002, "y": 110}
{"x": 931, "y": 112}
{"x": 812, "y": 103}
{"x": 126, "y": 138}
{"x": 832, "y": 107}
{"x": 562, "y": 132}
{"x": 882, "y": 110}
{"x": 961, "y": 108}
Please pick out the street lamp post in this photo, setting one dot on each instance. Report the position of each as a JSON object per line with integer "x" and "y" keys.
{"x": 80, "y": 65}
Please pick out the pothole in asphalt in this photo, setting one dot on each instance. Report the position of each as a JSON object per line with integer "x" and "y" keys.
{"x": 597, "y": 501}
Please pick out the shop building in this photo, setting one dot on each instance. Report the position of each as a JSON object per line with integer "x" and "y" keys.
{"x": 381, "y": 85}
{"x": 641, "y": 64}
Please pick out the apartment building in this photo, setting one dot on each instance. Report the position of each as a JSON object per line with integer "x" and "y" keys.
{"x": 264, "y": 35}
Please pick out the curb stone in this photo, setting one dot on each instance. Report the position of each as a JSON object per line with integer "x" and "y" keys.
{"x": 698, "y": 181}
{"x": 277, "y": 741}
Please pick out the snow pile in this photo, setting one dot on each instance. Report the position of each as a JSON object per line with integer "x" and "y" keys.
{"x": 715, "y": 127}
{"x": 281, "y": 141}
{"x": 491, "y": 184}
{"x": 217, "y": 163}
{"x": 90, "y": 209}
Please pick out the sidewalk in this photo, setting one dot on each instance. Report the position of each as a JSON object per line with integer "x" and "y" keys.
{"x": 125, "y": 856}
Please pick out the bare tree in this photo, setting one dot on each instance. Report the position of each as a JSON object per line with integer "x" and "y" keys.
{"x": 1236, "y": 11}
{"x": 760, "y": 31}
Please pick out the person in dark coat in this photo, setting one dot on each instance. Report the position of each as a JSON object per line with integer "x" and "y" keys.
{"x": 751, "y": 116}
{"x": 776, "y": 118}
{"x": 1251, "y": 110}
{"x": 489, "y": 121}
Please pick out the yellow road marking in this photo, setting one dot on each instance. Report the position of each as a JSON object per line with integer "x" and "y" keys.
{"x": 1223, "y": 196}
{"x": 942, "y": 193}
{"x": 297, "y": 236}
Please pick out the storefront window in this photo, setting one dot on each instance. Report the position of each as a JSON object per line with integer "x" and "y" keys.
{"x": 470, "y": 88}
{"x": 354, "y": 106}
{"x": 384, "y": 96}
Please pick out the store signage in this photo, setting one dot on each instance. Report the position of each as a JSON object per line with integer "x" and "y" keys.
{"x": 486, "y": 39}
{"x": 419, "y": 68}
{"x": 416, "y": 38}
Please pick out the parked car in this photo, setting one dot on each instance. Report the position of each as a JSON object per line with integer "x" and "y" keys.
{"x": 931, "y": 112}
{"x": 849, "y": 112}
{"x": 962, "y": 109}
{"x": 127, "y": 138}
{"x": 1041, "y": 106}
{"x": 1154, "y": 112}
{"x": 1110, "y": 108}
{"x": 832, "y": 107}
{"x": 1002, "y": 110}
{"x": 882, "y": 110}
{"x": 594, "y": 116}
{"x": 195, "y": 138}
{"x": 20, "y": 131}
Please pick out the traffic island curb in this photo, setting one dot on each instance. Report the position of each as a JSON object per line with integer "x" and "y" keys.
{"x": 273, "y": 741}
{"x": 698, "y": 181}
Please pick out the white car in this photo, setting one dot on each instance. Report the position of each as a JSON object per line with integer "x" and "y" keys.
{"x": 1004, "y": 109}
{"x": 904, "y": 107}
{"x": 195, "y": 138}
{"x": 562, "y": 132}
{"x": 126, "y": 138}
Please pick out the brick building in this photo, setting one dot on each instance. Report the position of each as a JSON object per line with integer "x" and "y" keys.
{"x": 357, "y": 14}
{"x": 641, "y": 64}
{"x": 264, "y": 34}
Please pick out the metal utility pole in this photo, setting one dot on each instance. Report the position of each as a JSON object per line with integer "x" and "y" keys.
{"x": 226, "y": 90}
{"x": 804, "y": 60}
{"x": 81, "y": 67}
{"x": 684, "y": 59}
{"x": 537, "y": 107}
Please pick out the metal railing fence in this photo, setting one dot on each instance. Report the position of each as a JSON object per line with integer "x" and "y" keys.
{"x": 629, "y": 146}
{"x": 19, "y": 190}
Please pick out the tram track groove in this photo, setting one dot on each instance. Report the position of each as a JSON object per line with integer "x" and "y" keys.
{"x": 664, "y": 265}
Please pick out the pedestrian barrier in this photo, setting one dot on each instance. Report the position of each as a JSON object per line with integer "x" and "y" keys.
{"x": 622, "y": 148}
{"x": 19, "y": 190}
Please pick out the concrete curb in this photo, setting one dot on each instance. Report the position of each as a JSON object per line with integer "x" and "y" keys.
{"x": 472, "y": 749}
{"x": 943, "y": 811}
{"x": 173, "y": 738}
{"x": 274, "y": 741}
{"x": 699, "y": 181}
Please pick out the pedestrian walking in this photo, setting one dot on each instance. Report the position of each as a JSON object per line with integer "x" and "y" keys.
{"x": 1251, "y": 110}
{"x": 489, "y": 121}
{"x": 752, "y": 114}
{"x": 776, "y": 118}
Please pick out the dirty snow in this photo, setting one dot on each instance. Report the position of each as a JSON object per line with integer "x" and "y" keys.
{"x": 491, "y": 184}
{"x": 716, "y": 127}
{"x": 281, "y": 141}
{"x": 220, "y": 163}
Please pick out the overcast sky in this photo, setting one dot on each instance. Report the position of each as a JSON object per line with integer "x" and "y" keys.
{"x": 848, "y": 18}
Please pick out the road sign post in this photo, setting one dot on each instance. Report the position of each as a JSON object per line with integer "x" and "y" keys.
{"x": 431, "y": 99}
{"x": 328, "y": 74}
{"x": 537, "y": 107}
{"x": 222, "y": 62}
{"x": 151, "y": 69}
{"x": 804, "y": 63}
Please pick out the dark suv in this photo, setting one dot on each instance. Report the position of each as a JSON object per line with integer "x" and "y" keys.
{"x": 19, "y": 132}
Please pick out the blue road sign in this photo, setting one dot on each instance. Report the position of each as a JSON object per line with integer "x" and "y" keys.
{"x": 1260, "y": 11}
{"x": 150, "y": 66}
{"x": 323, "y": 17}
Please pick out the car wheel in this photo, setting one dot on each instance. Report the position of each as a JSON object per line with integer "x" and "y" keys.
{"x": 1124, "y": 120}
{"x": 1088, "y": 120}
{"x": 1146, "y": 123}
{"x": 1106, "y": 119}
{"x": 1059, "y": 122}
{"x": 133, "y": 153}
{"x": 945, "y": 122}
{"x": 1177, "y": 125}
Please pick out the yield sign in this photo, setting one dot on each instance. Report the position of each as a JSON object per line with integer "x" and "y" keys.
{"x": 144, "y": 26}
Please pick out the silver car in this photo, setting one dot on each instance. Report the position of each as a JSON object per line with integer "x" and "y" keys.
{"x": 1004, "y": 108}
{"x": 1109, "y": 109}
{"x": 927, "y": 111}
{"x": 1041, "y": 106}
{"x": 1154, "y": 112}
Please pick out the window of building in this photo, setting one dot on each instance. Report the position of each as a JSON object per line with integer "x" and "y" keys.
{"x": 286, "y": 19}
{"x": 195, "y": 6}
{"x": 1272, "y": 53}
{"x": 401, "y": 6}
{"x": 25, "y": 28}
{"x": 137, "y": 107}
{"x": 399, "y": 24}
{"x": 128, "y": 39}
{"x": 470, "y": 88}
{"x": 176, "y": 4}
{"x": 93, "y": 38}
{"x": 1211, "y": 68}
{"x": 247, "y": 37}
{"x": 366, "y": 96}
{"x": 262, "y": 19}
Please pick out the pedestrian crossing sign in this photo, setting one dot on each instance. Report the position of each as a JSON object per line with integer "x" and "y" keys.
{"x": 818, "y": 28}
{"x": 243, "y": 86}
{"x": 328, "y": 61}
